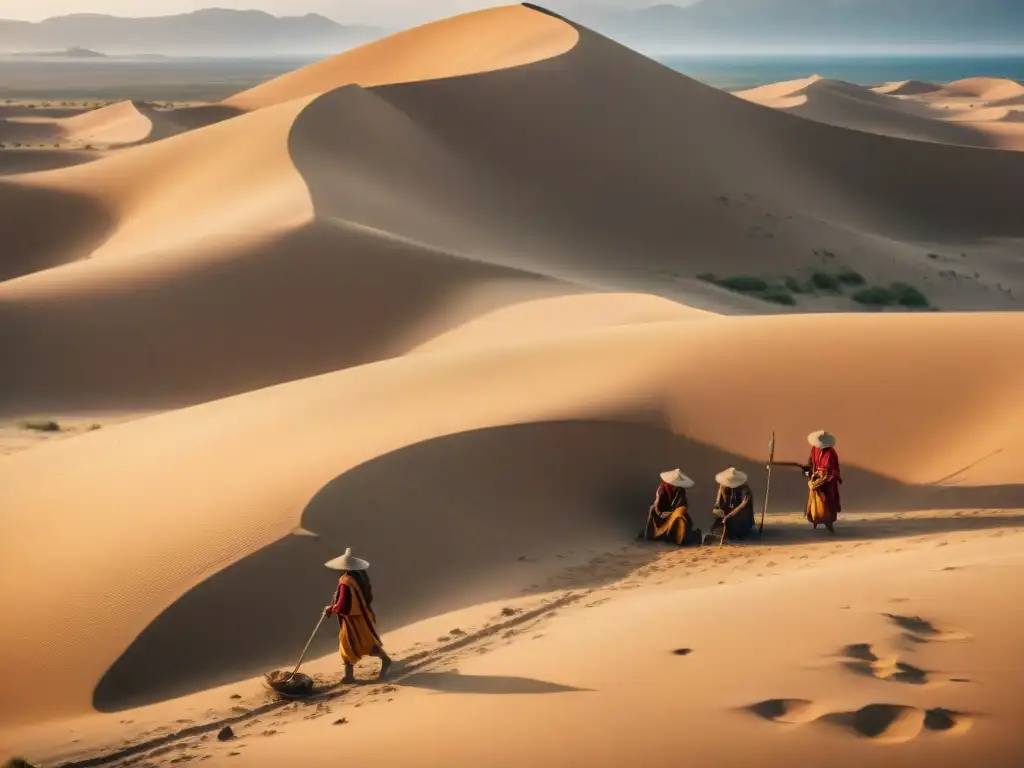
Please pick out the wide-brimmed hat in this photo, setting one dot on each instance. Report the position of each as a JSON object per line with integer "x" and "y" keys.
{"x": 821, "y": 439}
{"x": 677, "y": 478}
{"x": 731, "y": 478}
{"x": 347, "y": 563}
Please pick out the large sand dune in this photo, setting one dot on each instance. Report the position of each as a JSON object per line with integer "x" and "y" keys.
{"x": 437, "y": 299}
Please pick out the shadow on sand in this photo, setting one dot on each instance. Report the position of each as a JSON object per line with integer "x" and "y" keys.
{"x": 444, "y": 524}
{"x": 453, "y": 682}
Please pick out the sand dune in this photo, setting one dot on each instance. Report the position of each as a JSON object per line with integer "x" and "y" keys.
{"x": 220, "y": 515}
{"x": 984, "y": 88}
{"x": 907, "y": 88}
{"x": 115, "y": 125}
{"x": 447, "y": 166}
{"x": 438, "y": 299}
{"x": 905, "y": 110}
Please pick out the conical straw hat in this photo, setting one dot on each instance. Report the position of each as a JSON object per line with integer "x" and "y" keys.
{"x": 821, "y": 439}
{"x": 677, "y": 478}
{"x": 347, "y": 563}
{"x": 731, "y": 478}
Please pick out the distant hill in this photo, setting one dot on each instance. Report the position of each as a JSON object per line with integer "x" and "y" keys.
{"x": 71, "y": 53}
{"x": 802, "y": 23}
{"x": 213, "y": 32}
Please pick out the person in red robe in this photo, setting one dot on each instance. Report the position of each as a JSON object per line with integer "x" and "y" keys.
{"x": 824, "y": 478}
{"x": 353, "y": 605}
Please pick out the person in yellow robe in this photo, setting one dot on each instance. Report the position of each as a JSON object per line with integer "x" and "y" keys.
{"x": 353, "y": 601}
{"x": 668, "y": 518}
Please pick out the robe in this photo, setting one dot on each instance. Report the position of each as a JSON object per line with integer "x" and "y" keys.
{"x": 823, "y": 504}
{"x": 738, "y": 526}
{"x": 675, "y": 526}
{"x": 357, "y": 635}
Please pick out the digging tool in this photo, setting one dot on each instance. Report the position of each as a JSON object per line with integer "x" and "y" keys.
{"x": 768, "y": 485}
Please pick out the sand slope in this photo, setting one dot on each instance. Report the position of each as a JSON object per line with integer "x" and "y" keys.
{"x": 438, "y": 299}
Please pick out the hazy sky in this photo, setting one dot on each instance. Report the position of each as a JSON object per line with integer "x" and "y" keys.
{"x": 394, "y": 12}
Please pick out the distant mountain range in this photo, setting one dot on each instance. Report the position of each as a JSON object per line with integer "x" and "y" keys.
{"x": 810, "y": 23}
{"x": 213, "y": 32}
{"x": 733, "y": 24}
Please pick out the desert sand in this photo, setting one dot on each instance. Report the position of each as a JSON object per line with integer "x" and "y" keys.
{"x": 446, "y": 300}
{"x": 980, "y": 111}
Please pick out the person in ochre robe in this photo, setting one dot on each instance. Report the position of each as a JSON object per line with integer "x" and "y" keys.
{"x": 824, "y": 478}
{"x": 353, "y": 601}
{"x": 734, "y": 507}
{"x": 668, "y": 518}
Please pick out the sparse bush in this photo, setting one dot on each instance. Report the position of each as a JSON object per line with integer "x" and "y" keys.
{"x": 849, "y": 277}
{"x": 795, "y": 286}
{"x": 875, "y": 296}
{"x": 744, "y": 284}
{"x": 825, "y": 282}
{"x": 779, "y": 296}
{"x": 41, "y": 425}
{"x": 909, "y": 296}
{"x": 933, "y": 255}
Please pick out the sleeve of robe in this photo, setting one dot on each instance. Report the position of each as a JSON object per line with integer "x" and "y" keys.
{"x": 342, "y": 601}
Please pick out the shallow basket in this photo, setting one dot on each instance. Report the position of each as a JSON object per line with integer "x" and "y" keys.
{"x": 287, "y": 684}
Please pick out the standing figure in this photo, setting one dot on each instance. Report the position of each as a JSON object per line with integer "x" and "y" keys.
{"x": 823, "y": 505}
{"x": 734, "y": 506}
{"x": 668, "y": 518}
{"x": 353, "y": 599}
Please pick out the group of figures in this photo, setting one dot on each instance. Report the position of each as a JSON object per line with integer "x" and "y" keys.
{"x": 668, "y": 518}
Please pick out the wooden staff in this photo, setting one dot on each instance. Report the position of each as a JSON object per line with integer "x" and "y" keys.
{"x": 768, "y": 485}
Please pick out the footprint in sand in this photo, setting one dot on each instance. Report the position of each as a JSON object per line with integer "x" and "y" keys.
{"x": 792, "y": 711}
{"x": 896, "y": 723}
{"x": 883, "y": 723}
{"x": 861, "y": 659}
{"x": 921, "y": 630}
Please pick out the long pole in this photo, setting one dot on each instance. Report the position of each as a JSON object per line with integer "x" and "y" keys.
{"x": 768, "y": 485}
{"x": 308, "y": 643}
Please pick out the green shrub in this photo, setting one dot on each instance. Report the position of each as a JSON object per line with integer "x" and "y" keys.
{"x": 825, "y": 282}
{"x": 849, "y": 277}
{"x": 743, "y": 284}
{"x": 795, "y": 286}
{"x": 875, "y": 296}
{"x": 778, "y": 296}
{"x": 909, "y": 296}
{"x": 41, "y": 425}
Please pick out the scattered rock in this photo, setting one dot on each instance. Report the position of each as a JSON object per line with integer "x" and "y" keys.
{"x": 234, "y": 754}
{"x": 682, "y": 651}
{"x": 456, "y": 632}
{"x": 236, "y": 695}
{"x": 509, "y": 611}
{"x": 226, "y": 734}
{"x": 342, "y": 721}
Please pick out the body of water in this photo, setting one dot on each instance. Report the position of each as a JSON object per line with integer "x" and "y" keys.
{"x": 738, "y": 72}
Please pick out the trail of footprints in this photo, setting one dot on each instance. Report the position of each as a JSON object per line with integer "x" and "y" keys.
{"x": 885, "y": 723}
